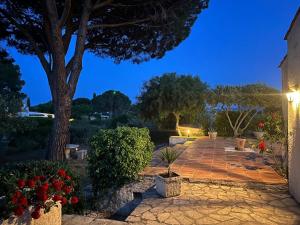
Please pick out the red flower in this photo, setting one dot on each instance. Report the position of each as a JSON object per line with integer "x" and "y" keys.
{"x": 18, "y": 194}
{"x": 61, "y": 173}
{"x": 57, "y": 184}
{"x": 67, "y": 189}
{"x": 31, "y": 183}
{"x": 64, "y": 201}
{"x": 19, "y": 211}
{"x": 262, "y": 145}
{"x": 21, "y": 183}
{"x": 43, "y": 197}
{"x": 57, "y": 198}
{"x": 42, "y": 178}
{"x": 14, "y": 199}
{"x": 23, "y": 201}
{"x": 261, "y": 125}
{"x": 74, "y": 200}
{"x": 67, "y": 177}
{"x": 36, "y": 214}
{"x": 36, "y": 178}
{"x": 45, "y": 187}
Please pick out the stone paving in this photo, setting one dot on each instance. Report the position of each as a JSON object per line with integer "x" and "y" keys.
{"x": 219, "y": 204}
{"x": 205, "y": 160}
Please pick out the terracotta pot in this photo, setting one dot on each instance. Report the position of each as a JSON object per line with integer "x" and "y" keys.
{"x": 53, "y": 217}
{"x": 213, "y": 135}
{"x": 240, "y": 143}
{"x": 168, "y": 186}
{"x": 259, "y": 134}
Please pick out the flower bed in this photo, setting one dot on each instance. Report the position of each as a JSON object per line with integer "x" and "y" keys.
{"x": 30, "y": 194}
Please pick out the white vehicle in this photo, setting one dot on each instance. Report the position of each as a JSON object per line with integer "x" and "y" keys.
{"x": 36, "y": 114}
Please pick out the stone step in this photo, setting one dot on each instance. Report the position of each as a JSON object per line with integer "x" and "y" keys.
{"x": 85, "y": 220}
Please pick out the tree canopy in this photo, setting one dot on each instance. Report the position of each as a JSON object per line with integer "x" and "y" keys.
{"x": 248, "y": 100}
{"x": 111, "y": 101}
{"x": 10, "y": 90}
{"x": 172, "y": 94}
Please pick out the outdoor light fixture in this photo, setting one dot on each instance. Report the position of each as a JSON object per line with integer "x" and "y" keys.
{"x": 294, "y": 97}
{"x": 188, "y": 132}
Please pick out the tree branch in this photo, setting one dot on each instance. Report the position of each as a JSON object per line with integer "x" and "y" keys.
{"x": 251, "y": 118}
{"x": 38, "y": 52}
{"x": 79, "y": 48}
{"x": 229, "y": 119}
{"x": 65, "y": 13}
{"x": 52, "y": 11}
{"x": 118, "y": 24}
{"x": 99, "y": 5}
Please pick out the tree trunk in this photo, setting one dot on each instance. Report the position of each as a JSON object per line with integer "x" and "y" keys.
{"x": 60, "y": 130}
{"x": 177, "y": 116}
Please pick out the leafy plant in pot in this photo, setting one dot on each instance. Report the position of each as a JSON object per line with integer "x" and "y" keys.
{"x": 168, "y": 184}
{"x": 259, "y": 133}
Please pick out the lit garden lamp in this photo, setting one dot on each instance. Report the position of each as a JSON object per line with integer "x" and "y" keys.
{"x": 294, "y": 97}
{"x": 188, "y": 133}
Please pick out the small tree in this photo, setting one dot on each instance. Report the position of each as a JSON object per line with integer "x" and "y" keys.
{"x": 172, "y": 94}
{"x": 247, "y": 100}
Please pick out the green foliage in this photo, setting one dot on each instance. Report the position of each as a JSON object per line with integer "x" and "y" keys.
{"x": 81, "y": 131}
{"x": 172, "y": 94}
{"x": 111, "y": 101}
{"x": 117, "y": 156}
{"x": 274, "y": 128}
{"x": 169, "y": 156}
{"x": 10, "y": 91}
{"x": 12, "y": 172}
{"x": 247, "y": 100}
{"x": 30, "y": 134}
{"x": 44, "y": 107}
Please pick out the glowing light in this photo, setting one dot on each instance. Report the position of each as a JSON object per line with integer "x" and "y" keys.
{"x": 71, "y": 120}
{"x": 293, "y": 97}
{"x": 188, "y": 132}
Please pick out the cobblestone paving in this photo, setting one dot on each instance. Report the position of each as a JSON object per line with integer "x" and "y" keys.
{"x": 202, "y": 203}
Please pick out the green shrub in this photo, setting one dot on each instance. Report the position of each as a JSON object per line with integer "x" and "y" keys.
{"x": 117, "y": 156}
{"x": 10, "y": 173}
{"x": 30, "y": 134}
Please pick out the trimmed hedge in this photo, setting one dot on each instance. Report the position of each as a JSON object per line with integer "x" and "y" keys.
{"x": 117, "y": 156}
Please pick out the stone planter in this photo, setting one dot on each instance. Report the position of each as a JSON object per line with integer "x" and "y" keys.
{"x": 67, "y": 153}
{"x": 240, "y": 143}
{"x": 51, "y": 218}
{"x": 259, "y": 134}
{"x": 212, "y": 135}
{"x": 168, "y": 186}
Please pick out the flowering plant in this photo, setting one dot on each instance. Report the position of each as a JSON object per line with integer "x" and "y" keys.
{"x": 42, "y": 192}
{"x": 262, "y": 146}
{"x": 260, "y": 126}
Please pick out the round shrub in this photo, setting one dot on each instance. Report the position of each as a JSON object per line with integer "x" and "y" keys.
{"x": 117, "y": 156}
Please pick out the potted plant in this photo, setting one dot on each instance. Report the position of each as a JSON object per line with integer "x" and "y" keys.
{"x": 259, "y": 133}
{"x": 212, "y": 134}
{"x": 38, "y": 200}
{"x": 240, "y": 143}
{"x": 168, "y": 184}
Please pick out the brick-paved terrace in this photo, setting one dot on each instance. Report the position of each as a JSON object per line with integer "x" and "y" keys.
{"x": 205, "y": 160}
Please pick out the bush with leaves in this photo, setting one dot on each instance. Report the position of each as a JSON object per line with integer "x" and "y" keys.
{"x": 12, "y": 174}
{"x": 169, "y": 156}
{"x": 117, "y": 156}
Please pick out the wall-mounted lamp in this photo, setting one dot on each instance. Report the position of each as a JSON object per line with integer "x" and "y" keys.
{"x": 293, "y": 96}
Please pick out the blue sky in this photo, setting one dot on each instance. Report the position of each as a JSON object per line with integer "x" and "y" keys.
{"x": 232, "y": 42}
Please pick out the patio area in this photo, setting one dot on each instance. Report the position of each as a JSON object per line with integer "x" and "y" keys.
{"x": 206, "y": 160}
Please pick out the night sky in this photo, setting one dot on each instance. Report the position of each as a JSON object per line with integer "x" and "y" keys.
{"x": 232, "y": 42}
